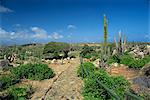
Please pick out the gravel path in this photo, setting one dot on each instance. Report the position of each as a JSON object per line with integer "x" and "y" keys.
{"x": 67, "y": 86}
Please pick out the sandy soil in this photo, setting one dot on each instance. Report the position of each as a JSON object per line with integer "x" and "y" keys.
{"x": 123, "y": 70}
{"x": 68, "y": 85}
{"x": 64, "y": 86}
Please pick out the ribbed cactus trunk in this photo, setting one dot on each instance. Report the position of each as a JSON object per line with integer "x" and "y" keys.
{"x": 105, "y": 34}
{"x": 121, "y": 44}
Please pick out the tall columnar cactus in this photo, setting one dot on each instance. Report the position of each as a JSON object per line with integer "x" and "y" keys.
{"x": 105, "y": 52}
{"x": 121, "y": 44}
{"x": 105, "y": 31}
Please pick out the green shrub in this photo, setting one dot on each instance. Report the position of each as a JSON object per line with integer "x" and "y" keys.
{"x": 114, "y": 59}
{"x": 85, "y": 66}
{"x": 57, "y": 48}
{"x": 88, "y": 56}
{"x": 126, "y": 59}
{"x": 130, "y": 61}
{"x": 20, "y": 93}
{"x": 86, "y": 51}
{"x": 92, "y": 90}
{"x": 7, "y": 81}
{"x": 146, "y": 59}
{"x": 133, "y": 63}
{"x": 33, "y": 71}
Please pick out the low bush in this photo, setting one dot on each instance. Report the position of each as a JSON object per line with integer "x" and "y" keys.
{"x": 92, "y": 90}
{"x": 133, "y": 63}
{"x": 33, "y": 71}
{"x": 85, "y": 68}
{"x": 126, "y": 59}
{"x": 7, "y": 81}
{"x": 114, "y": 59}
{"x": 130, "y": 61}
{"x": 20, "y": 93}
{"x": 88, "y": 52}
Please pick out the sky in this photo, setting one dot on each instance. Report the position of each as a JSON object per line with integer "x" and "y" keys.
{"x": 42, "y": 21}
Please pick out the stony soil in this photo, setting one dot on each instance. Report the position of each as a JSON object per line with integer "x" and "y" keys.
{"x": 67, "y": 86}
{"x": 64, "y": 86}
{"x": 123, "y": 70}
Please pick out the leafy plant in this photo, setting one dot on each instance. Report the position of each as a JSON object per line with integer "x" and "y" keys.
{"x": 114, "y": 59}
{"x": 20, "y": 93}
{"x": 33, "y": 71}
{"x": 92, "y": 89}
{"x": 126, "y": 59}
{"x": 130, "y": 61}
{"x": 7, "y": 81}
{"x": 88, "y": 52}
{"x": 90, "y": 68}
{"x": 57, "y": 47}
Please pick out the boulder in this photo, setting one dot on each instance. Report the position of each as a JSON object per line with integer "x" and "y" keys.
{"x": 96, "y": 63}
{"x": 72, "y": 58}
{"x": 53, "y": 61}
{"x": 140, "y": 54}
{"x": 148, "y": 48}
{"x": 114, "y": 52}
{"x": 132, "y": 53}
{"x": 114, "y": 64}
{"x": 146, "y": 52}
{"x": 68, "y": 58}
{"x": 4, "y": 64}
{"x": 146, "y": 70}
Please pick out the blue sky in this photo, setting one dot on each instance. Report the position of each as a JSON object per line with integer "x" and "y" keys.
{"x": 25, "y": 21}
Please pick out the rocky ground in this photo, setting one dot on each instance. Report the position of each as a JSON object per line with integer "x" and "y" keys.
{"x": 67, "y": 86}
{"x": 64, "y": 86}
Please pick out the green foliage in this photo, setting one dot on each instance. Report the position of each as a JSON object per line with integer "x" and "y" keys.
{"x": 92, "y": 89}
{"x": 7, "y": 81}
{"x": 133, "y": 63}
{"x": 105, "y": 30}
{"x": 126, "y": 59}
{"x": 20, "y": 93}
{"x": 57, "y": 47}
{"x": 88, "y": 66}
{"x": 88, "y": 52}
{"x": 130, "y": 61}
{"x": 33, "y": 71}
{"x": 114, "y": 59}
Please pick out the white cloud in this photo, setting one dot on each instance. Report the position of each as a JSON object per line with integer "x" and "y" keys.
{"x": 3, "y": 33}
{"x": 4, "y": 9}
{"x": 17, "y": 25}
{"x": 39, "y": 33}
{"x": 71, "y": 26}
{"x": 13, "y": 35}
{"x": 28, "y": 34}
{"x": 56, "y": 36}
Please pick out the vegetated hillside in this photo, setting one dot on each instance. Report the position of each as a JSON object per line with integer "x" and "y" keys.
{"x": 29, "y": 61}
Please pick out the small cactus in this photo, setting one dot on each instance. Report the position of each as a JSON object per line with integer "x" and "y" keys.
{"x": 121, "y": 44}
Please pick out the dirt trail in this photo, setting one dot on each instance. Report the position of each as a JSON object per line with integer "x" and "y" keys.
{"x": 67, "y": 86}
{"x": 64, "y": 86}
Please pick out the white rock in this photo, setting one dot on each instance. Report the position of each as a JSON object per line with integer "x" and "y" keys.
{"x": 54, "y": 61}
{"x": 115, "y": 64}
{"x": 72, "y": 58}
{"x": 141, "y": 54}
{"x": 68, "y": 58}
{"x": 114, "y": 52}
{"x": 65, "y": 59}
{"x": 96, "y": 63}
{"x": 148, "y": 48}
